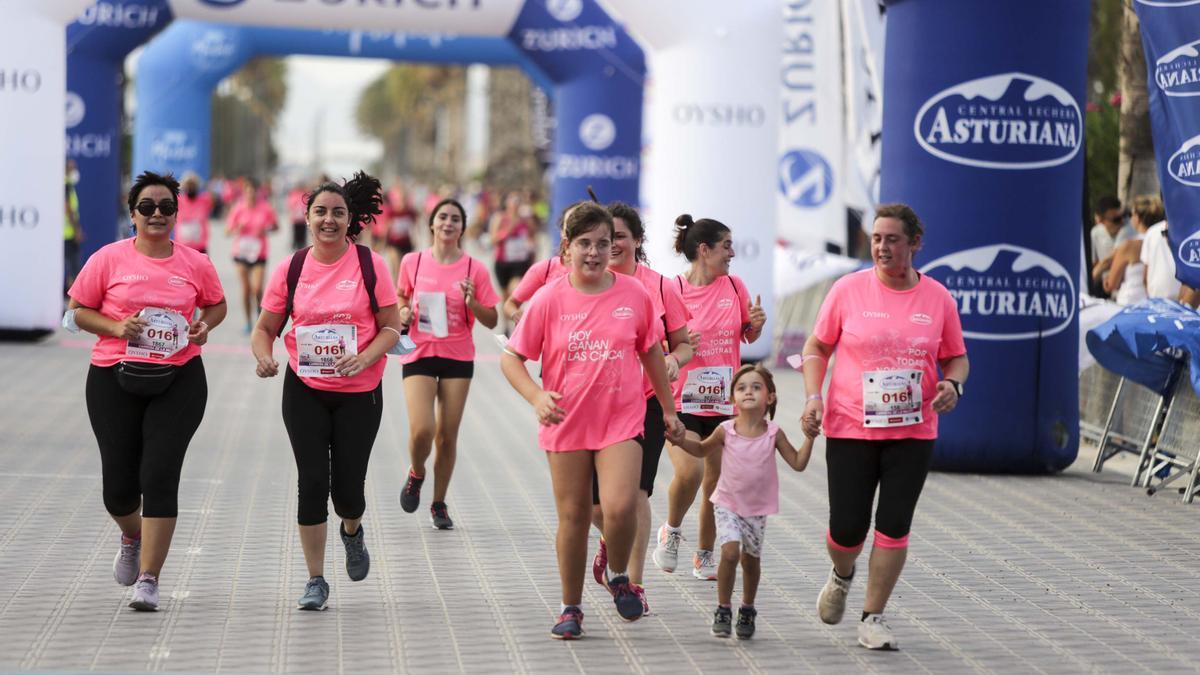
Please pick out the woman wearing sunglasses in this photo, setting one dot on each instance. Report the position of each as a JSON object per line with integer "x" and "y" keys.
{"x": 146, "y": 389}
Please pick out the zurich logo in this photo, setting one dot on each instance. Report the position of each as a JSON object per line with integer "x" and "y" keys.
{"x": 1007, "y": 292}
{"x": 1177, "y": 72}
{"x": 1184, "y": 165}
{"x": 222, "y": 3}
{"x": 564, "y": 10}
{"x": 597, "y": 131}
{"x": 805, "y": 178}
{"x": 1007, "y": 121}
{"x": 76, "y": 110}
{"x": 1189, "y": 250}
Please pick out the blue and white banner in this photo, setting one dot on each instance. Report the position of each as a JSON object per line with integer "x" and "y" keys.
{"x": 1171, "y": 37}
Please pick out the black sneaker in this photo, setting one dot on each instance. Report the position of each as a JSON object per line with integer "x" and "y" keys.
{"x": 570, "y": 624}
{"x": 440, "y": 516}
{"x": 722, "y": 622}
{"x": 358, "y": 561}
{"x": 745, "y": 624}
{"x": 629, "y": 605}
{"x": 410, "y": 497}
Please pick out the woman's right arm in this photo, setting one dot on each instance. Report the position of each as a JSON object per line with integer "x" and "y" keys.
{"x": 815, "y": 364}
{"x": 262, "y": 340}
{"x": 545, "y": 403}
{"x": 91, "y": 320}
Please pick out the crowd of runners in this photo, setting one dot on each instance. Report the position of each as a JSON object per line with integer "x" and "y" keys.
{"x": 631, "y": 361}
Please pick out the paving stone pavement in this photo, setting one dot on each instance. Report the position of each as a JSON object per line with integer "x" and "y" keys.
{"x": 1070, "y": 573}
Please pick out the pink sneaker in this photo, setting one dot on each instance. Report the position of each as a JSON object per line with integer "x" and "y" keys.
{"x": 600, "y": 564}
{"x": 640, "y": 592}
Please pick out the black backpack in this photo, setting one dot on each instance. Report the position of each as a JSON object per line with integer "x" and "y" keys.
{"x": 365, "y": 264}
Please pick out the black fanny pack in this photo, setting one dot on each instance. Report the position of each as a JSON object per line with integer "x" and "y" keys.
{"x": 145, "y": 379}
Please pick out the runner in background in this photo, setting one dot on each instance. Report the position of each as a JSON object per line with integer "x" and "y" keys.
{"x": 195, "y": 208}
{"x": 512, "y": 234}
{"x": 248, "y": 223}
{"x": 297, "y": 213}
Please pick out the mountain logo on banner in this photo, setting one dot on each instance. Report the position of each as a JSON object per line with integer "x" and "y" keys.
{"x": 805, "y": 178}
{"x": 1184, "y": 165}
{"x": 76, "y": 110}
{"x": 1008, "y": 121}
{"x": 1007, "y": 292}
{"x": 1178, "y": 71}
{"x": 564, "y": 10}
{"x": 1189, "y": 250}
{"x": 597, "y": 132}
{"x": 1168, "y": 3}
{"x": 213, "y": 50}
{"x": 222, "y": 3}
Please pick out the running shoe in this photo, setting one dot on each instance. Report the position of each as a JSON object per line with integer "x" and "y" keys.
{"x": 625, "y": 598}
{"x": 722, "y": 622}
{"x": 358, "y": 560}
{"x": 410, "y": 498}
{"x": 440, "y": 516}
{"x": 873, "y": 633}
{"x": 145, "y": 593}
{"x": 640, "y": 591}
{"x": 128, "y": 561}
{"x": 316, "y": 594}
{"x": 703, "y": 566}
{"x": 666, "y": 551}
{"x": 745, "y": 622}
{"x": 831, "y": 604}
{"x": 570, "y": 624}
{"x": 600, "y": 563}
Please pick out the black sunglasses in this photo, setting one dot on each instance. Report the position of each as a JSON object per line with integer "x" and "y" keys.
{"x": 166, "y": 207}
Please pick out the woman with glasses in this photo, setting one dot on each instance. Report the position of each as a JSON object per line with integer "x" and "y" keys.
{"x": 146, "y": 388}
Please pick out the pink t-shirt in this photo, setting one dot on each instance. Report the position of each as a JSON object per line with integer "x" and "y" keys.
{"x": 333, "y": 293}
{"x": 191, "y": 222}
{"x": 119, "y": 282}
{"x": 434, "y": 277}
{"x": 589, "y": 346}
{"x": 295, "y": 206}
{"x": 250, "y": 225}
{"x": 540, "y": 273}
{"x": 749, "y": 482}
{"x": 875, "y": 328}
{"x": 720, "y": 312}
{"x": 668, "y": 309}
{"x": 516, "y": 243}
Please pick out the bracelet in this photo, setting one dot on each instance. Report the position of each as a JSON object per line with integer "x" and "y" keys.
{"x": 814, "y": 397}
{"x": 811, "y": 356}
{"x": 393, "y": 330}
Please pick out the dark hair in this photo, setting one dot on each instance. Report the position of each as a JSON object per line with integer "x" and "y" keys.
{"x": 585, "y": 218}
{"x": 562, "y": 224}
{"x": 148, "y": 178}
{"x": 634, "y": 221}
{"x": 453, "y": 202}
{"x": 1107, "y": 203}
{"x": 767, "y": 377}
{"x": 362, "y": 200}
{"x": 689, "y": 234}
{"x": 904, "y": 213}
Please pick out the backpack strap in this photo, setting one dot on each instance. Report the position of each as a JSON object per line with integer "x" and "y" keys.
{"x": 293, "y": 280}
{"x": 367, "y": 267}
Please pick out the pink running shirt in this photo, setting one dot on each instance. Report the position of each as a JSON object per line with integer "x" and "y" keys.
{"x": 876, "y": 328}
{"x": 434, "y": 277}
{"x": 668, "y": 309}
{"x": 516, "y": 245}
{"x": 119, "y": 282}
{"x": 295, "y": 206}
{"x": 333, "y": 293}
{"x": 540, "y": 273}
{"x": 749, "y": 482}
{"x": 250, "y": 226}
{"x": 589, "y": 346}
{"x": 720, "y": 312}
{"x": 191, "y": 222}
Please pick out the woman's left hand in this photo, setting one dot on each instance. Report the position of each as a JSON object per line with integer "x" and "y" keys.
{"x": 674, "y": 429}
{"x": 946, "y": 398}
{"x": 758, "y": 316}
{"x": 198, "y": 333}
{"x": 468, "y": 291}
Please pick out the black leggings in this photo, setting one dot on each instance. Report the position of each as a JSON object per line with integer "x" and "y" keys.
{"x": 332, "y": 434}
{"x": 143, "y": 439}
{"x": 856, "y": 467}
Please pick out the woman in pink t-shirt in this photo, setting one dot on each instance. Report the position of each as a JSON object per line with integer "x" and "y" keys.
{"x": 146, "y": 388}
{"x": 333, "y": 388}
{"x": 195, "y": 207}
{"x": 893, "y": 329}
{"x": 591, "y": 328}
{"x": 249, "y": 222}
{"x": 512, "y": 235}
{"x": 723, "y": 316}
{"x": 298, "y": 214}
{"x": 443, "y": 291}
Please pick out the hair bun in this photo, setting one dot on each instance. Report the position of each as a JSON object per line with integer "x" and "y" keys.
{"x": 685, "y": 221}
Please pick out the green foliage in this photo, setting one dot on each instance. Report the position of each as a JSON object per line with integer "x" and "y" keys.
{"x": 1102, "y": 121}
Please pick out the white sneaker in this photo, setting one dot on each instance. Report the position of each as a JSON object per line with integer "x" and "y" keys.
{"x": 873, "y": 633}
{"x": 704, "y": 567}
{"x": 831, "y": 604}
{"x": 666, "y": 551}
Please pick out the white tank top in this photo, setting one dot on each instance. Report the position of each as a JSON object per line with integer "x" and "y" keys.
{"x": 1133, "y": 286}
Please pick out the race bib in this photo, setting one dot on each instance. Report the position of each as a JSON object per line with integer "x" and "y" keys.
{"x": 707, "y": 390}
{"x": 164, "y": 334}
{"x": 400, "y": 227}
{"x": 891, "y": 398}
{"x": 188, "y": 230}
{"x": 319, "y": 347}
{"x": 249, "y": 249}
{"x": 517, "y": 248}
{"x": 432, "y": 317}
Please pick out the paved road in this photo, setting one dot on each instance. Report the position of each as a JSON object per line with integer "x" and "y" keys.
{"x": 1069, "y": 573}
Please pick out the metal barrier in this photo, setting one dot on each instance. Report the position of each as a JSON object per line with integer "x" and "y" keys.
{"x": 1097, "y": 390}
{"x": 1177, "y": 452}
{"x": 1134, "y": 417}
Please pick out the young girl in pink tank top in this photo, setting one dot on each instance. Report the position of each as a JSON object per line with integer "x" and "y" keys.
{"x": 748, "y": 490}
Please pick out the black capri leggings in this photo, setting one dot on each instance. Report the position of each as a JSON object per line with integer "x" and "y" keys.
{"x": 143, "y": 439}
{"x": 855, "y": 468}
{"x": 332, "y": 434}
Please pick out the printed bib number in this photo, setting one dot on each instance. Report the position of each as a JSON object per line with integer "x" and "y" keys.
{"x": 517, "y": 248}
{"x": 249, "y": 249}
{"x": 164, "y": 334}
{"x": 891, "y": 398}
{"x": 432, "y": 317}
{"x": 400, "y": 227}
{"x": 707, "y": 390}
{"x": 187, "y": 230}
{"x": 319, "y": 347}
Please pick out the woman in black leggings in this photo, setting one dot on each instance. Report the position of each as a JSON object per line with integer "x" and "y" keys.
{"x": 340, "y": 298}
{"x": 146, "y": 389}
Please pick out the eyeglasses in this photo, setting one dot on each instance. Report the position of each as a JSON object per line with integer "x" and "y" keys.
{"x": 166, "y": 207}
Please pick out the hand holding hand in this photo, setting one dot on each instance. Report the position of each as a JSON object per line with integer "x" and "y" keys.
{"x": 810, "y": 420}
{"x": 672, "y": 368}
{"x": 675, "y": 431}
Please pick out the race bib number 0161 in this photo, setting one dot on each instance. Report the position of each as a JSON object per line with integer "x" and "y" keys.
{"x": 319, "y": 347}
{"x": 707, "y": 390}
{"x": 164, "y": 334}
{"x": 891, "y": 398}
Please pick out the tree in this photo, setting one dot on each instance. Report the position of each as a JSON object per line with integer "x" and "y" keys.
{"x": 245, "y": 109}
{"x": 1137, "y": 173}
